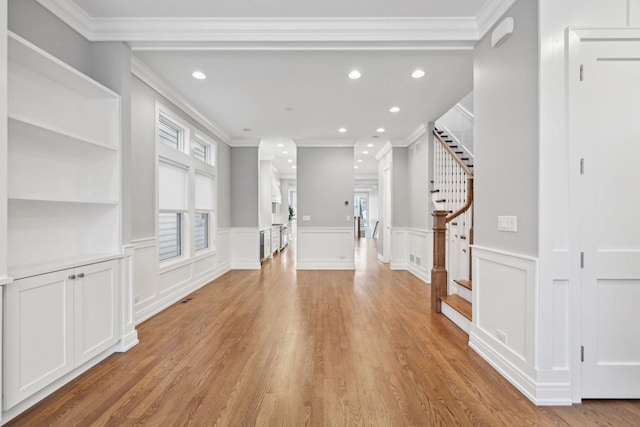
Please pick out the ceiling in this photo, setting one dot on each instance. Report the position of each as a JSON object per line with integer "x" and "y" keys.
{"x": 277, "y": 69}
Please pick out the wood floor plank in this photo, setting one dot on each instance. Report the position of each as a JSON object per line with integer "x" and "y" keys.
{"x": 280, "y": 347}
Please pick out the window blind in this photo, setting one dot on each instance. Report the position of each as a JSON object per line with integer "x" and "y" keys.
{"x": 202, "y": 230}
{"x": 170, "y": 235}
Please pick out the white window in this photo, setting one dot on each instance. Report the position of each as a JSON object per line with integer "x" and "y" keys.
{"x": 201, "y": 151}
{"x": 201, "y": 226}
{"x": 170, "y": 235}
{"x": 170, "y": 134}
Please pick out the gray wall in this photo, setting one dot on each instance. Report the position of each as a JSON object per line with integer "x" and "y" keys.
{"x": 223, "y": 166}
{"x": 143, "y": 122}
{"x": 325, "y": 182}
{"x": 30, "y": 20}
{"x": 244, "y": 186}
{"x": 419, "y": 193}
{"x": 506, "y": 134}
{"x": 400, "y": 215}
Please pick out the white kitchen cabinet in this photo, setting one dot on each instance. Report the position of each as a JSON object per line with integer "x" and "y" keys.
{"x": 275, "y": 239}
{"x": 54, "y": 323}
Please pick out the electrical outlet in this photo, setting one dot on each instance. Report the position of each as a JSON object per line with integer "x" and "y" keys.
{"x": 502, "y": 337}
{"x": 348, "y": 218}
{"x": 508, "y": 223}
{"x": 306, "y": 218}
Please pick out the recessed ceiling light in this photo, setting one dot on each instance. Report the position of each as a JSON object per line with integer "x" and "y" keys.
{"x": 342, "y": 130}
{"x": 293, "y": 166}
{"x": 417, "y": 74}
{"x": 290, "y": 161}
{"x": 355, "y": 75}
{"x": 246, "y": 130}
{"x": 355, "y": 167}
{"x": 280, "y": 145}
{"x": 199, "y": 75}
{"x": 285, "y": 152}
{"x": 369, "y": 145}
{"x": 365, "y": 152}
{"x": 380, "y": 130}
{"x": 359, "y": 160}
{"x": 394, "y": 109}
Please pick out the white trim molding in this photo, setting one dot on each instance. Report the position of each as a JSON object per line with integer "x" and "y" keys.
{"x": 505, "y": 304}
{"x": 157, "y": 83}
{"x": 325, "y": 248}
{"x": 407, "y": 32}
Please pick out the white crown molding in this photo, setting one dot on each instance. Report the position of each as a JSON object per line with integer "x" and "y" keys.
{"x": 384, "y": 150}
{"x": 72, "y": 14}
{"x": 425, "y": 32}
{"x": 336, "y": 142}
{"x": 239, "y": 142}
{"x": 413, "y": 137}
{"x": 492, "y": 11}
{"x": 144, "y": 73}
{"x": 394, "y": 30}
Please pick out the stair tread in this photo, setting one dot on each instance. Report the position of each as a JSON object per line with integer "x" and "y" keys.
{"x": 459, "y": 304}
{"x": 465, "y": 284}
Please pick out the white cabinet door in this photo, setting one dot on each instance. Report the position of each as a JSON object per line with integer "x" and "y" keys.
{"x": 38, "y": 334}
{"x": 97, "y": 309}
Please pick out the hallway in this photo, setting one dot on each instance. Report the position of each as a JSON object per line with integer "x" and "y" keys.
{"x": 290, "y": 348}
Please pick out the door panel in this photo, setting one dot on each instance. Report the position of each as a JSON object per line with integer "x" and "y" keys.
{"x": 607, "y": 124}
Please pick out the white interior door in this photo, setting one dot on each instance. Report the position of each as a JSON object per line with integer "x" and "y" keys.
{"x": 605, "y": 110}
{"x": 386, "y": 216}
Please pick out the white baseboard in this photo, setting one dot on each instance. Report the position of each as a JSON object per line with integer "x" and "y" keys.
{"x": 542, "y": 394}
{"x": 127, "y": 342}
{"x": 420, "y": 273}
{"x": 398, "y": 265}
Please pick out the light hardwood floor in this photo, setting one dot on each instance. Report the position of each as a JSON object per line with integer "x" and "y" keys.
{"x": 282, "y": 347}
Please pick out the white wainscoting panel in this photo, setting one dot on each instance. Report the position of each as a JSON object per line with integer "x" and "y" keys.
{"x": 420, "y": 253}
{"x": 399, "y": 248}
{"x": 245, "y": 248}
{"x": 505, "y": 301}
{"x": 223, "y": 249}
{"x": 325, "y": 248}
{"x": 156, "y": 288}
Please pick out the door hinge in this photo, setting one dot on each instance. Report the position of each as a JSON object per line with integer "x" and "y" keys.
{"x": 582, "y": 353}
{"x": 581, "y": 259}
{"x": 581, "y": 166}
{"x": 581, "y": 72}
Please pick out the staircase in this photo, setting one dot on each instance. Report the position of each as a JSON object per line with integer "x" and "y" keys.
{"x": 452, "y": 196}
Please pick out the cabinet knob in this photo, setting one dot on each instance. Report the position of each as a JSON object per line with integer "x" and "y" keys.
{"x": 80, "y": 275}
{"x": 72, "y": 277}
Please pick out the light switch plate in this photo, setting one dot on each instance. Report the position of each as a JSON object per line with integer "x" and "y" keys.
{"x": 508, "y": 223}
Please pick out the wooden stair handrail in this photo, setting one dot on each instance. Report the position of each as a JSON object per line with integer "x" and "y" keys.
{"x": 467, "y": 204}
{"x": 453, "y": 154}
{"x": 439, "y": 275}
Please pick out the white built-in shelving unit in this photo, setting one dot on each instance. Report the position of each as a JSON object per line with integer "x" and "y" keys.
{"x": 63, "y": 165}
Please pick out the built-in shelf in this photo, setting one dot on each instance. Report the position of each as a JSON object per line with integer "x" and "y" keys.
{"x": 51, "y": 134}
{"x": 63, "y": 172}
{"x": 28, "y": 270}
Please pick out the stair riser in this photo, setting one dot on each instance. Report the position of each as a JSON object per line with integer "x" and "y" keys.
{"x": 457, "y": 318}
{"x": 465, "y": 293}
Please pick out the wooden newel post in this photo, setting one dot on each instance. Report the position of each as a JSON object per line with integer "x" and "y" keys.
{"x": 439, "y": 271}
